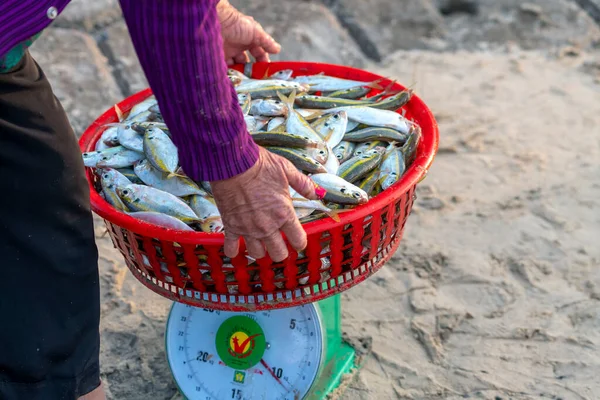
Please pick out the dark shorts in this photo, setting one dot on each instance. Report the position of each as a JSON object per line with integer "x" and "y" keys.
{"x": 49, "y": 290}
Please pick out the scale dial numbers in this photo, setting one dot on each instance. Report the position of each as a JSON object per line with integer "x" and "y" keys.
{"x": 286, "y": 371}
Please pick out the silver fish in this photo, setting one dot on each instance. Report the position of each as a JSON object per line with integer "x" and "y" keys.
{"x": 115, "y": 177}
{"x": 130, "y": 139}
{"x": 366, "y": 146}
{"x": 312, "y": 205}
{"x": 161, "y": 151}
{"x": 144, "y": 116}
{"x": 251, "y": 123}
{"x": 358, "y": 167}
{"x": 146, "y": 198}
{"x": 206, "y": 186}
{"x": 206, "y": 208}
{"x": 110, "y": 136}
{"x": 267, "y": 108}
{"x": 110, "y": 180}
{"x": 331, "y": 127}
{"x": 369, "y": 183}
{"x": 309, "y": 113}
{"x": 339, "y": 190}
{"x": 245, "y": 101}
{"x": 392, "y": 167}
{"x": 120, "y": 159}
{"x": 154, "y": 109}
{"x": 284, "y": 74}
{"x": 351, "y": 125}
{"x": 179, "y": 186}
{"x": 141, "y": 107}
{"x": 344, "y": 151}
{"x": 255, "y": 123}
{"x": 332, "y": 164}
{"x": 130, "y": 174}
{"x": 164, "y": 220}
{"x": 353, "y": 93}
{"x": 296, "y": 124}
{"x": 101, "y": 145}
{"x": 140, "y": 127}
{"x": 274, "y": 123}
{"x": 321, "y": 82}
{"x": 236, "y": 73}
{"x": 303, "y": 212}
{"x": 375, "y": 117}
{"x": 91, "y": 158}
{"x": 255, "y": 84}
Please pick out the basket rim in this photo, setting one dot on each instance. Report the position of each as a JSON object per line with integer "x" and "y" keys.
{"x": 426, "y": 153}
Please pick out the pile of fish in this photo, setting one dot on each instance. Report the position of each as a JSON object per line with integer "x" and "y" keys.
{"x": 353, "y": 145}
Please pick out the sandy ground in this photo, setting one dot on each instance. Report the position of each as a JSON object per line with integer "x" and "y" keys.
{"x": 494, "y": 292}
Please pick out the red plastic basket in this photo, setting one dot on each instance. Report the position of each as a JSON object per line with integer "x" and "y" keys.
{"x": 191, "y": 268}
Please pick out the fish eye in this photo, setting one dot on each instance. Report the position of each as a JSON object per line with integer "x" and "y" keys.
{"x": 212, "y": 226}
{"x": 339, "y": 156}
{"x": 125, "y": 192}
{"x": 336, "y": 116}
{"x": 106, "y": 176}
{"x": 356, "y": 195}
{"x": 343, "y": 190}
{"x": 105, "y": 158}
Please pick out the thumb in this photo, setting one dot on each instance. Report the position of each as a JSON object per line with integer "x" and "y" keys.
{"x": 302, "y": 183}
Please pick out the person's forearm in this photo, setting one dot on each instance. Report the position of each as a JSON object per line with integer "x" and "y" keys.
{"x": 180, "y": 49}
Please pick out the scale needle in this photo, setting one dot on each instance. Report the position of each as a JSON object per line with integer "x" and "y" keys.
{"x": 262, "y": 361}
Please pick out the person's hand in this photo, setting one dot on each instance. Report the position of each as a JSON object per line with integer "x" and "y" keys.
{"x": 242, "y": 33}
{"x": 256, "y": 205}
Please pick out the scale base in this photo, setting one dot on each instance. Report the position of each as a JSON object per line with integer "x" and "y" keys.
{"x": 335, "y": 372}
{"x": 345, "y": 355}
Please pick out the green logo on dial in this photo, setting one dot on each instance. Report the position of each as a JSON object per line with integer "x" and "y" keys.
{"x": 240, "y": 342}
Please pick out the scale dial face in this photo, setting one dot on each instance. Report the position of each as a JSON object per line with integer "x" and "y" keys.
{"x": 209, "y": 352}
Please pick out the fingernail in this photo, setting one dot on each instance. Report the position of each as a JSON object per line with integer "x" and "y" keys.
{"x": 320, "y": 192}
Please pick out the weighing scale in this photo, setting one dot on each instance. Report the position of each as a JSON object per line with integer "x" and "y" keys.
{"x": 282, "y": 354}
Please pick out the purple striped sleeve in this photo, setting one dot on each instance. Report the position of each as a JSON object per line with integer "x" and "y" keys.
{"x": 21, "y": 19}
{"x": 179, "y": 45}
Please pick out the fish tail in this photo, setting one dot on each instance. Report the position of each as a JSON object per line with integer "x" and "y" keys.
{"x": 388, "y": 89}
{"x": 111, "y": 124}
{"x": 375, "y": 84}
{"x": 266, "y": 73}
{"x": 315, "y": 115}
{"x": 334, "y": 214}
{"x": 329, "y": 134}
{"x": 172, "y": 174}
{"x": 288, "y": 100}
{"x": 119, "y": 113}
